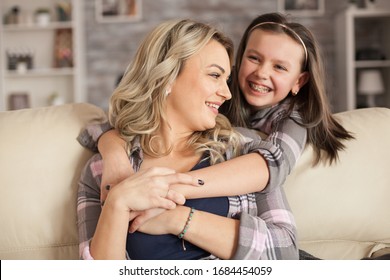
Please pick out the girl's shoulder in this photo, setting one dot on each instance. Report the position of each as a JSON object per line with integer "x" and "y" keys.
{"x": 250, "y": 134}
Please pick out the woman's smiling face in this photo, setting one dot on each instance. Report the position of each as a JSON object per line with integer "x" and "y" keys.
{"x": 199, "y": 90}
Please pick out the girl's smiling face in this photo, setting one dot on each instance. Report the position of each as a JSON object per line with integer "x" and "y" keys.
{"x": 270, "y": 68}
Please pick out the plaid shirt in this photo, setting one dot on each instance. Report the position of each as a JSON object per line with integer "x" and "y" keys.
{"x": 267, "y": 226}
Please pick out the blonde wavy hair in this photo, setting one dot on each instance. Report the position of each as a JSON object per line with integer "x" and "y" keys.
{"x": 137, "y": 106}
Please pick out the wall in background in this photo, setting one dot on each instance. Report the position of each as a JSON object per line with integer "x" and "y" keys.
{"x": 111, "y": 46}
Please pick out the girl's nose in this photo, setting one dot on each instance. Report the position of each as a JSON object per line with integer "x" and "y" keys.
{"x": 262, "y": 72}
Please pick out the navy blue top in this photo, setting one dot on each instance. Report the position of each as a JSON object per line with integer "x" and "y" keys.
{"x": 141, "y": 246}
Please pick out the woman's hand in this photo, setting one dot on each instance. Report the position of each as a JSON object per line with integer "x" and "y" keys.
{"x": 138, "y": 218}
{"x": 166, "y": 221}
{"x": 148, "y": 189}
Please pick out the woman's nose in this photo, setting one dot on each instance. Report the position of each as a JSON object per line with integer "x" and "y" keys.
{"x": 224, "y": 91}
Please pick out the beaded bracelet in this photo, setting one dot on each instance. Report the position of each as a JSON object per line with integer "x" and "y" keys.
{"x": 187, "y": 225}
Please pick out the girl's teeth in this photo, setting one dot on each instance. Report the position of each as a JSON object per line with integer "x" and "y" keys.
{"x": 259, "y": 88}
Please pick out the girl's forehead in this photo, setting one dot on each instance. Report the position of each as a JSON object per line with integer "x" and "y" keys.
{"x": 275, "y": 45}
{"x": 260, "y": 33}
{"x": 277, "y": 40}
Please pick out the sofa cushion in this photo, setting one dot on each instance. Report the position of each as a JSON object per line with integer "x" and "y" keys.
{"x": 40, "y": 165}
{"x": 342, "y": 211}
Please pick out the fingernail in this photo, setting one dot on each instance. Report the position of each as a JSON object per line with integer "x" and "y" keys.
{"x": 200, "y": 182}
{"x": 108, "y": 187}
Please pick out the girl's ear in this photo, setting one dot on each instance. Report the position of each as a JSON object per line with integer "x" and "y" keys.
{"x": 302, "y": 80}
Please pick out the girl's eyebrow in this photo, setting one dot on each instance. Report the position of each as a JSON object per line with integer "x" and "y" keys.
{"x": 286, "y": 62}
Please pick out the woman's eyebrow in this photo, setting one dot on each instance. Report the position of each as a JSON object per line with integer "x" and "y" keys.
{"x": 219, "y": 67}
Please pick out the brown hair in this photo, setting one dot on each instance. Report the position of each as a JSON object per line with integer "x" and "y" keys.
{"x": 325, "y": 133}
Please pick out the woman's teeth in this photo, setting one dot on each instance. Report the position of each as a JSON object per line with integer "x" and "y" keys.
{"x": 212, "y": 105}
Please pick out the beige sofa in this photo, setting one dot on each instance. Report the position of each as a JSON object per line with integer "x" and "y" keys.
{"x": 342, "y": 212}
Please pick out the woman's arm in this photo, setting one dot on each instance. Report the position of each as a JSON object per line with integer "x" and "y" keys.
{"x": 103, "y": 230}
{"x": 216, "y": 234}
{"x": 144, "y": 190}
{"x": 270, "y": 234}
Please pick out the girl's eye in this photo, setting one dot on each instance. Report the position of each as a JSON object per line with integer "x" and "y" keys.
{"x": 253, "y": 58}
{"x": 280, "y": 67}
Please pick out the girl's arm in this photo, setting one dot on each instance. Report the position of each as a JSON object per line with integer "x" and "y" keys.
{"x": 116, "y": 165}
{"x": 241, "y": 175}
{"x": 245, "y": 174}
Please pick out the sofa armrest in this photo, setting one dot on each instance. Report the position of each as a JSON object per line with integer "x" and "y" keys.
{"x": 40, "y": 165}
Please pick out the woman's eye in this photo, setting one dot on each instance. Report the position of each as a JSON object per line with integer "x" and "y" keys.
{"x": 215, "y": 75}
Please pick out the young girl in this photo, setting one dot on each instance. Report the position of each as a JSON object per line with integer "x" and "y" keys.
{"x": 278, "y": 88}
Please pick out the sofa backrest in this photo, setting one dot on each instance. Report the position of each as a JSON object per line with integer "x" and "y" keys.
{"x": 40, "y": 163}
{"x": 343, "y": 211}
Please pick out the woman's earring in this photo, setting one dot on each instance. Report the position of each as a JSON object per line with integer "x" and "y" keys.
{"x": 294, "y": 93}
{"x": 167, "y": 92}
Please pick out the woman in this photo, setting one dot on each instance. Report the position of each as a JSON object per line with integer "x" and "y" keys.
{"x": 166, "y": 109}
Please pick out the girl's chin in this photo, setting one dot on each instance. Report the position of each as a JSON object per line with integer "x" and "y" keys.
{"x": 256, "y": 101}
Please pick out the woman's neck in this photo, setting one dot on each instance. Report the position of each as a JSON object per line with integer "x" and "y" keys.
{"x": 171, "y": 139}
{"x": 174, "y": 151}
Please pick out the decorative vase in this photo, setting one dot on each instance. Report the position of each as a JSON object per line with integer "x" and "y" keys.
{"x": 42, "y": 18}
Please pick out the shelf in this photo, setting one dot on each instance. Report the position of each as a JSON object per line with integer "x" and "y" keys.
{"x": 42, "y": 45}
{"x": 357, "y": 31}
{"x": 372, "y": 63}
{"x": 32, "y": 27}
{"x": 45, "y": 72}
{"x": 367, "y": 13}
